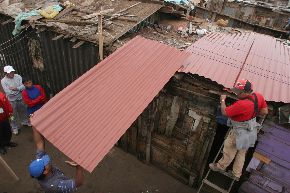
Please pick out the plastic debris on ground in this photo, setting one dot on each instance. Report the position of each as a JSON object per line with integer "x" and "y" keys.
{"x": 48, "y": 12}
{"x": 20, "y": 17}
{"x": 222, "y": 23}
{"x": 201, "y": 32}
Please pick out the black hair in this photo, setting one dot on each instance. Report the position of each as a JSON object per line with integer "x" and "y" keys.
{"x": 41, "y": 177}
{"x": 25, "y": 79}
{"x": 248, "y": 87}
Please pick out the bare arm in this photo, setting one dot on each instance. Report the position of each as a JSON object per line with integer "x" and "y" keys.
{"x": 39, "y": 140}
{"x": 263, "y": 112}
{"x": 223, "y": 104}
{"x": 79, "y": 178}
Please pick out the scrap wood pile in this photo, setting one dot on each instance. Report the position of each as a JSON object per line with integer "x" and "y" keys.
{"x": 180, "y": 33}
{"x": 79, "y": 19}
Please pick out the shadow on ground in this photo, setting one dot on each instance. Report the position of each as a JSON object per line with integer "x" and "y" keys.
{"x": 119, "y": 172}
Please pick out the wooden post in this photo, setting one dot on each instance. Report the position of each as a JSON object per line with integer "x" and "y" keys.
{"x": 10, "y": 171}
{"x": 152, "y": 114}
{"x": 101, "y": 38}
{"x": 148, "y": 146}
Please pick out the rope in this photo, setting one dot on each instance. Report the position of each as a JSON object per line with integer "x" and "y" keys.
{"x": 12, "y": 38}
{"x": 15, "y": 42}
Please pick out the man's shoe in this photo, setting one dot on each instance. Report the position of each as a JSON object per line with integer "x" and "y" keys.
{"x": 15, "y": 131}
{"x": 3, "y": 150}
{"x": 11, "y": 144}
{"x": 214, "y": 167}
{"x": 232, "y": 175}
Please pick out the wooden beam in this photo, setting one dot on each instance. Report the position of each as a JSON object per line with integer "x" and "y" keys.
{"x": 153, "y": 2}
{"x": 63, "y": 12}
{"x": 102, "y": 12}
{"x": 193, "y": 92}
{"x": 10, "y": 171}
{"x": 7, "y": 21}
{"x": 78, "y": 44}
{"x": 261, "y": 157}
{"x": 127, "y": 19}
{"x": 73, "y": 22}
{"x": 126, "y": 9}
{"x": 40, "y": 30}
{"x": 74, "y": 39}
{"x": 101, "y": 37}
{"x": 66, "y": 36}
{"x": 57, "y": 37}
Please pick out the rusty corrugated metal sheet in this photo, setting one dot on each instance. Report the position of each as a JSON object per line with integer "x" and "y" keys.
{"x": 62, "y": 63}
{"x": 87, "y": 118}
{"x": 262, "y": 59}
{"x": 14, "y": 49}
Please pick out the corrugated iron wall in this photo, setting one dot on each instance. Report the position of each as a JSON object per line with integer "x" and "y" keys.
{"x": 53, "y": 64}
{"x": 13, "y": 50}
{"x": 177, "y": 129}
{"x": 62, "y": 63}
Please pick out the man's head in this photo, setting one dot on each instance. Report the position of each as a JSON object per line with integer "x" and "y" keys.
{"x": 9, "y": 71}
{"x": 27, "y": 82}
{"x": 39, "y": 168}
{"x": 243, "y": 88}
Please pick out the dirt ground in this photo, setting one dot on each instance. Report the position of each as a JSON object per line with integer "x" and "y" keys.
{"x": 119, "y": 172}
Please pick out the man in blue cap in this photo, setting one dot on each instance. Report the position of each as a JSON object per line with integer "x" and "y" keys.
{"x": 50, "y": 178}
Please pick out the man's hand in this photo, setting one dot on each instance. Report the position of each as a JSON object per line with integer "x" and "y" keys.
{"x": 72, "y": 163}
{"x": 13, "y": 88}
{"x": 223, "y": 104}
{"x": 223, "y": 97}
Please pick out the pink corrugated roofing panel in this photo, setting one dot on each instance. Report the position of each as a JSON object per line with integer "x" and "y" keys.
{"x": 262, "y": 59}
{"x": 219, "y": 57}
{"x": 87, "y": 118}
{"x": 268, "y": 67}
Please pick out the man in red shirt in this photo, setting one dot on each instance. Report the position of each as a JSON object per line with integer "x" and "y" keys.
{"x": 242, "y": 118}
{"x": 33, "y": 96}
{"x": 5, "y": 128}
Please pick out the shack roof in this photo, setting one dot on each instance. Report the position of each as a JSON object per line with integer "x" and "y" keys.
{"x": 225, "y": 58}
{"x": 124, "y": 16}
{"x": 89, "y": 116}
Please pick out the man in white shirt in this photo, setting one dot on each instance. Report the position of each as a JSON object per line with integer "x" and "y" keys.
{"x": 12, "y": 86}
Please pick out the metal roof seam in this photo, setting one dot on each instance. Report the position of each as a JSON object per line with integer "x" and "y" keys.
{"x": 268, "y": 67}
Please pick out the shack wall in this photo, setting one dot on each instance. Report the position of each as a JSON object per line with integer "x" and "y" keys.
{"x": 48, "y": 59}
{"x": 176, "y": 131}
{"x": 51, "y": 63}
{"x": 269, "y": 26}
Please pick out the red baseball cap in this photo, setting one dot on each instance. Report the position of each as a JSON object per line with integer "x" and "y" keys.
{"x": 242, "y": 85}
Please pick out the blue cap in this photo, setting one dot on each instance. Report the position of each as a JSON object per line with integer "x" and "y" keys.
{"x": 37, "y": 166}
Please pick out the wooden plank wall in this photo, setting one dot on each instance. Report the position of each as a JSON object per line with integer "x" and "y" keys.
{"x": 177, "y": 129}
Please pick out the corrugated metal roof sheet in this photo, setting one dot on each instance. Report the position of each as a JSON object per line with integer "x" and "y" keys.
{"x": 262, "y": 59}
{"x": 268, "y": 67}
{"x": 274, "y": 144}
{"x": 87, "y": 118}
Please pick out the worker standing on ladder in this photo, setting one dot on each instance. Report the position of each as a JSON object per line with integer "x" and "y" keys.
{"x": 242, "y": 121}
